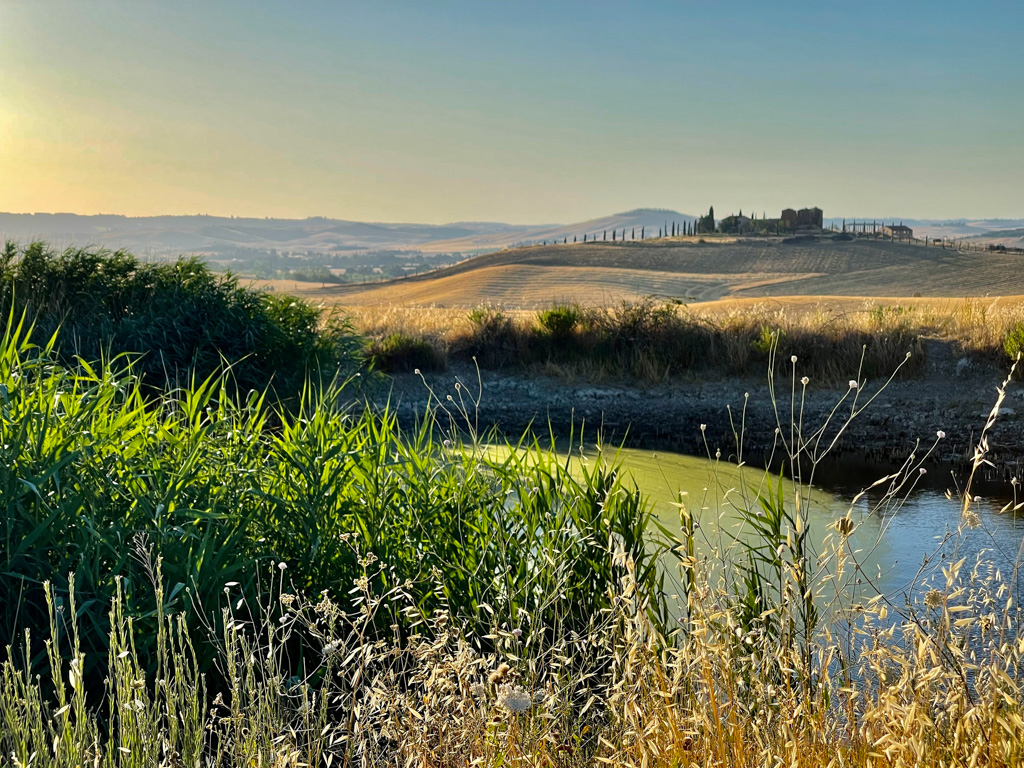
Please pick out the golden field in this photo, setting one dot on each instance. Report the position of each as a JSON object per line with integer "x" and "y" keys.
{"x": 689, "y": 271}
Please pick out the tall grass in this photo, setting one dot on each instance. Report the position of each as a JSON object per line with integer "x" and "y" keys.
{"x": 645, "y": 340}
{"x": 220, "y": 484}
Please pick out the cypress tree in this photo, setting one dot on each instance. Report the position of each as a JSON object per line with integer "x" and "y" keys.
{"x": 642, "y": 232}
{"x": 613, "y": 235}
{"x": 604, "y": 237}
{"x": 632, "y": 234}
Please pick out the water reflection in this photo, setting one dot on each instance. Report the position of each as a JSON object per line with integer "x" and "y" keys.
{"x": 901, "y": 542}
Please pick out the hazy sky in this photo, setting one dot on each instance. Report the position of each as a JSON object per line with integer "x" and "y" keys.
{"x": 511, "y": 110}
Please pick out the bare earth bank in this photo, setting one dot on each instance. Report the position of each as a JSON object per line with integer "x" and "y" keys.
{"x": 951, "y": 395}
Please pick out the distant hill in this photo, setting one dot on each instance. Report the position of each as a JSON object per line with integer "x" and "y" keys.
{"x": 225, "y": 236}
{"x": 172, "y": 235}
{"x": 162, "y": 235}
{"x": 648, "y": 220}
{"x": 1011, "y": 238}
{"x": 688, "y": 270}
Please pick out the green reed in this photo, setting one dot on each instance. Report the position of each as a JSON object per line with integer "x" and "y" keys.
{"x": 94, "y": 465}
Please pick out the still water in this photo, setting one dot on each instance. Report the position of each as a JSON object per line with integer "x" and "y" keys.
{"x": 901, "y": 541}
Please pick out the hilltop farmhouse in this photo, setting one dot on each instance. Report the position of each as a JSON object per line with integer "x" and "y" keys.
{"x": 804, "y": 220}
{"x": 897, "y": 232}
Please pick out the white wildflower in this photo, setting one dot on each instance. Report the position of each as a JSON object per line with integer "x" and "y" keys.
{"x": 805, "y": 381}
{"x": 478, "y": 690}
{"x": 941, "y": 435}
{"x": 853, "y": 384}
{"x": 514, "y": 698}
{"x": 332, "y": 647}
{"x": 923, "y": 471}
{"x": 971, "y": 519}
{"x": 934, "y": 598}
{"x": 793, "y": 359}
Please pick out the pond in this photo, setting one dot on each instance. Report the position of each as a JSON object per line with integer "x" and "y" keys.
{"x": 902, "y": 540}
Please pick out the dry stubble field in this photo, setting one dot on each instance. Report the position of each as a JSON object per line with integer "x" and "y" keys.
{"x": 691, "y": 272}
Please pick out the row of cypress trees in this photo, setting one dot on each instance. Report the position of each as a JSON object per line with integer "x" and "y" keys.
{"x": 670, "y": 229}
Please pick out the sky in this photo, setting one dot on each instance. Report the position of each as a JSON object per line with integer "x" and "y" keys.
{"x": 526, "y": 112}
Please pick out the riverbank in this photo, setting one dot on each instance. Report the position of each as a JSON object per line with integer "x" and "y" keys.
{"x": 702, "y": 415}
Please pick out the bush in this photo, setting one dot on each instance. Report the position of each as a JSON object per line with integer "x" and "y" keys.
{"x": 561, "y": 320}
{"x": 401, "y": 353}
{"x": 1014, "y": 341}
{"x": 494, "y": 339}
{"x": 176, "y": 321}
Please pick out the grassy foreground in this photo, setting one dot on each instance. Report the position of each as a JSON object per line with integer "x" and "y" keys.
{"x": 324, "y": 591}
{"x": 203, "y": 577}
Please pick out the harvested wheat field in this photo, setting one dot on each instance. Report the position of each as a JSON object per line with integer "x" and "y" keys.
{"x": 692, "y": 272}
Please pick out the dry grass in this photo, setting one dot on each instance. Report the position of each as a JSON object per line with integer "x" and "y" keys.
{"x": 729, "y": 336}
{"x": 939, "y": 685}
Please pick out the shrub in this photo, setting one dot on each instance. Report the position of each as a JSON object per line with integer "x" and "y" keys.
{"x": 766, "y": 339}
{"x": 494, "y": 339}
{"x": 176, "y": 321}
{"x": 401, "y": 353}
{"x": 652, "y": 340}
{"x": 561, "y": 320}
{"x": 1014, "y": 341}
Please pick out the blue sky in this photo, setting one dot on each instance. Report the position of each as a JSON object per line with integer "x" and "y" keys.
{"x": 524, "y": 112}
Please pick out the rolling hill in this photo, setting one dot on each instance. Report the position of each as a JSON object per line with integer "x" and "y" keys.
{"x": 691, "y": 271}
{"x": 172, "y": 235}
{"x": 1011, "y": 238}
{"x": 645, "y": 221}
{"x": 213, "y": 235}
